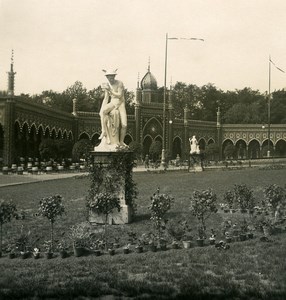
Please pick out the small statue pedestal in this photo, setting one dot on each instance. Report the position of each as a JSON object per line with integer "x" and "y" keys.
{"x": 195, "y": 163}
{"x": 109, "y": 164}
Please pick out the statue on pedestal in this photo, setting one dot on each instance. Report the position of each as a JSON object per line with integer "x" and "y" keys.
{"x": 194, "y": 145}
{"x": 113, "y": 115}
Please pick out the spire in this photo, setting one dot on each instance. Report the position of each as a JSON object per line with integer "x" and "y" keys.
{"x": 149, "y": 64}
{"x": 11, "y": 76}
{"x": 138, "y": 79}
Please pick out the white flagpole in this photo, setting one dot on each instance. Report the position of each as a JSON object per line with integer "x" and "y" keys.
{"x": 164, "y": 106}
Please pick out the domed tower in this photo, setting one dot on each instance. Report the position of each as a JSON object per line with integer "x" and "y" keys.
{"x": 149, "y": 87}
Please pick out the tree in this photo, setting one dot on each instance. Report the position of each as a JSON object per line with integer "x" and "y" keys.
{"x": 203, "y": 204}
{"x": 230, "y": 151}
{"x": 64, "y": 148}
{"x": 137, "y": 148}
{"x": 212, "y": 151}
{"x": 51, "y": 207}
{"x": 81, "y": 149}
{"x": 79, "y": 92}
{"x": 48, "y": 149}
{"x": 155, "y": 150}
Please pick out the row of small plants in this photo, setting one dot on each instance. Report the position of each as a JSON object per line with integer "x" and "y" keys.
{"x": 85, "y": 238}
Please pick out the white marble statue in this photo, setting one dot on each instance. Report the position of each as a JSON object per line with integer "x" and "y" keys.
{"x": 194, "y": 145}
{"x": 112, "y": 114}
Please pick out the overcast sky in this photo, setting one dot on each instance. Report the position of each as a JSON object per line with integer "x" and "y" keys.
{"x": 57, "y": 42}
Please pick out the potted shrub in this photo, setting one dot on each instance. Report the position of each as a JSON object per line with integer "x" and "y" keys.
{"x": 150, "y": 239}
{"x": 179, "y": 231}
{"x": 111, "y": 251}
{"x": 36, "y": 253}
{"x": 7, "y": 212}
{"x": 62, "y": 247}
{"x": 51, "y": 208}
{"x": 11, "y": 250}
{"x": 5, "y": 170}
{"x": 201, "y": 236}
{"x": 228, "y": 237}
{"x": 160, "y": 205}
{"x": 20, "y": 170}
{"x": 97, "y": 246}
{"x": 22, "y": 243}
{"x": 212, "y": 237}
{"x": 126, "y": 249}
{"x": 275, "y": 203}
{"x": 203, "y": 204}
{"x": 243, "y": 196}
{"x": 48, "y": 249}
{"x": 139, "y": 246}
{"x": 136, "y": 241}
{"x": 243, "y": 231}
{"x": 229, "y": 198}
{"x": 79, "y": 235}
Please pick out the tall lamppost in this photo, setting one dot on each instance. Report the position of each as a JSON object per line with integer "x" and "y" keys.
{"x": 268, "y": 109}
{"x": 269, "y": 100}
{"x": 165, "y": 93}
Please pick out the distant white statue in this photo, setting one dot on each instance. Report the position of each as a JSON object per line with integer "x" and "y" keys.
{"x": 194, "y": 145}
{"x": 112, "y": 115}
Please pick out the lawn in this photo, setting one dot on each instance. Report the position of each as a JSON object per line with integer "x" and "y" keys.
{"x": 248, "y": 270}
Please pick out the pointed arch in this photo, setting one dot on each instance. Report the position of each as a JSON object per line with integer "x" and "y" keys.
{"x": 241, "y": 149}
{"x": 70, "y": 136}
{"x": 128, "y": 139}
{"x": 65, "y": 135}
{"x": 95, "y": 139}
{"x": 153, "y": 127}
{"x": 1, "y": 140}
{"x": 84, "y": 135}
{"x": 59, "y": 134}
{"x": 280, "y": 148}
{"x": 146, "y": 144}
{"x": 254, "y": 149}
{"x": 202, "y": 143}
{"x": 177, "y": 147}
{"x": 47, "y": 132}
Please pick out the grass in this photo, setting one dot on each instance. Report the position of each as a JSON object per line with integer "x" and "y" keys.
{"x": 248, "y": 270}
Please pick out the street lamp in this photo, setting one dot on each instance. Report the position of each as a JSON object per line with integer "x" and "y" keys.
{"x": 269, "y": 99}
{"x": 268, "y": 110}
{"x": 165, "y": 93}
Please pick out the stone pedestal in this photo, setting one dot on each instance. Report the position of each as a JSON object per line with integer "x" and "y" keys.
{"x": 195, "y": 163}
{"x": 102, "y": 162}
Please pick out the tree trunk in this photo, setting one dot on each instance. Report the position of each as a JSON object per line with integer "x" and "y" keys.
{"x": 52, "y": 236}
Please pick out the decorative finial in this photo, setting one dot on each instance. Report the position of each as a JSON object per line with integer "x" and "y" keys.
{"x": 138, "y": 78}
{"x": 12, "y": 57}
{"x": 149, "y": 64}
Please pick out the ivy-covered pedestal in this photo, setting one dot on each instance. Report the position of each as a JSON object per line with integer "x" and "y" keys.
{"x": 111, "y": 175}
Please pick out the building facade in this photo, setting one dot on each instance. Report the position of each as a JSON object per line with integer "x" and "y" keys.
{"x": 23, "y": 125}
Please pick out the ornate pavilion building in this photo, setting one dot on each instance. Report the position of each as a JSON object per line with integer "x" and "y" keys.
{"x": 23, "y": 125}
